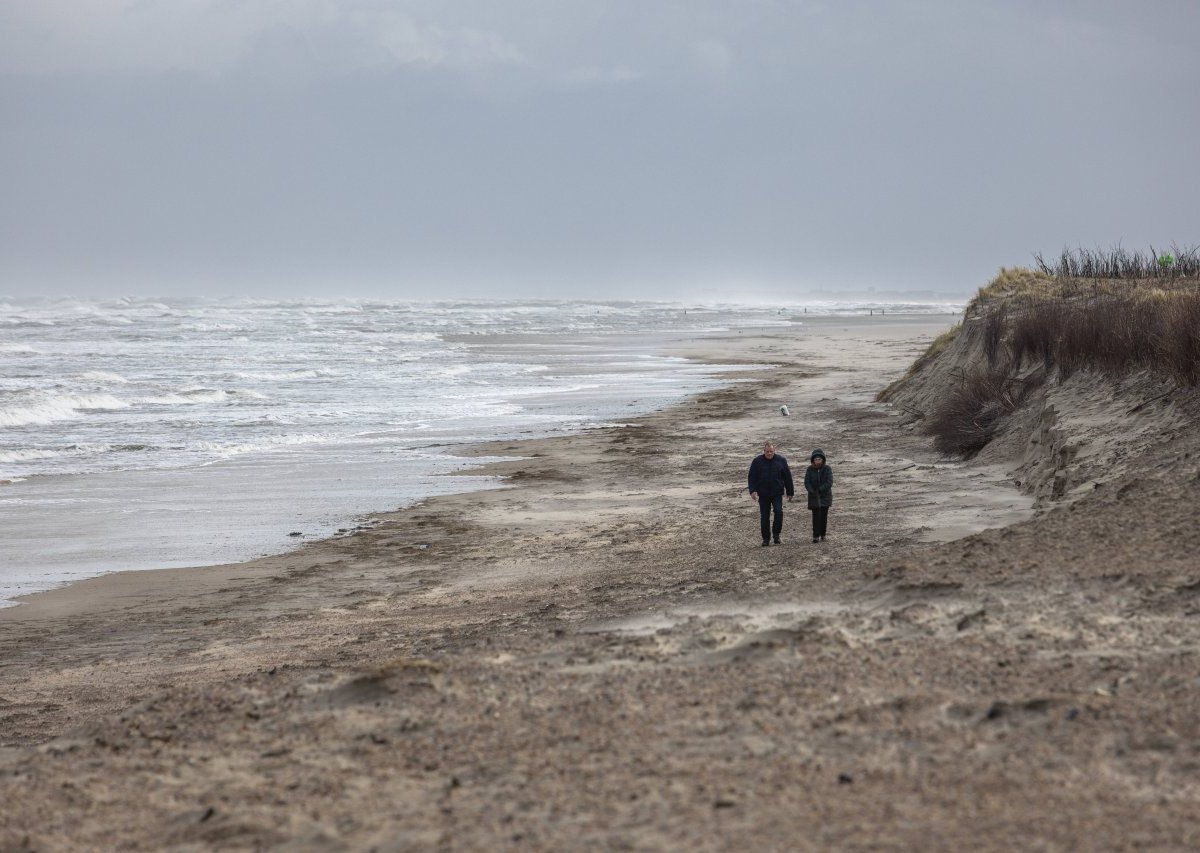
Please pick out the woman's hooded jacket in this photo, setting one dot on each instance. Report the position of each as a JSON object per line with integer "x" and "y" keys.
{"x": 818, "y": 482}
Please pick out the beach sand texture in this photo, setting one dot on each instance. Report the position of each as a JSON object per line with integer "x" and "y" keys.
{"x": 603, "y": 657}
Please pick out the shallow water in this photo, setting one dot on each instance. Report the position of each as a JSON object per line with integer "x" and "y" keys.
{"x": 154, "y": 433}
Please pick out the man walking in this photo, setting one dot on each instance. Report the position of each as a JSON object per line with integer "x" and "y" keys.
{"x": 769, "y": 479}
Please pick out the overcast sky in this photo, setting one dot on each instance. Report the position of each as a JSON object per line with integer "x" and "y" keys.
{"x": 616, "y": 148}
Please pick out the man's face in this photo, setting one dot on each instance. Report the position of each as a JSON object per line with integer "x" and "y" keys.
{"x": 818, "y": 461}
{"x": 769, "y": 451}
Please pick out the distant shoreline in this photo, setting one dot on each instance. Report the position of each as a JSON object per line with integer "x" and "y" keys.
{"x": 219, "y": 520}
{"x": 73, "y": 595}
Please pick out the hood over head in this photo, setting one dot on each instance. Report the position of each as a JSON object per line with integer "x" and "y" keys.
{"x": 816, "y": 453}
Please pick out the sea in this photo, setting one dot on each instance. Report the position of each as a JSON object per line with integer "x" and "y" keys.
{"x": 158, "y": 433}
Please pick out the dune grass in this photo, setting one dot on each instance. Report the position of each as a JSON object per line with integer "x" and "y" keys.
{"x": 1158, "y": 330}
{"x": 969, "y": 416}
{"x": 1037, "y": 326}
{"x": 1119, "y": 263}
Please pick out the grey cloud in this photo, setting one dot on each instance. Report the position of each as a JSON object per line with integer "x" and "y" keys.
{"x": 208, "y": 37}
{"x": 605, "y": 148}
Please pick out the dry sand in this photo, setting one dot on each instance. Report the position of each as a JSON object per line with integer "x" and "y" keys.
{"x": 603, "y": 656}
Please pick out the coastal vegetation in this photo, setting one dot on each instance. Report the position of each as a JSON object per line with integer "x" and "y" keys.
{"x": 1113, "y": 313}
{"x": 1119, "y": 263}
{"x": 970, "y": 414}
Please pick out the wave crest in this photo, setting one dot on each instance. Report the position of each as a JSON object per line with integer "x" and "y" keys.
{"x": 37, "y": 407}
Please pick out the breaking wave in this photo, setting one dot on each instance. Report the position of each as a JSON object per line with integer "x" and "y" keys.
{"x": 36, "y": 407}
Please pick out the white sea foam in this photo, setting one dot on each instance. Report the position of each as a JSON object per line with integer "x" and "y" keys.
{"x": 454, "y": 371}
{"x": 75, "y": 458}
{"x": 37, "y": 407}
{"x": 27, "y": 455}
{"x": 103, "y": 376}
{"x": 107, "y": 319}
{"x": 214, "y": 327}
{"x": 266, "y": 420}
{"x": 333, "y": 309}
{"x": 17, "y": 349}
{"x": 172, "y": 400}
{"x": 25, "y": 321}
{"x": 286, "y": 375}
{"x": 225, "y": 450}
{"x": 199, "y": 396}
{"x": 415, "y": 337}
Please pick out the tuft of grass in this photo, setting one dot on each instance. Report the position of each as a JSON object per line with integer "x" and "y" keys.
{"x": 1034, "y": 332}
{"x": 1179, "y": 340}
{"x": 995, "y": 324}
{"x": 1019, "y": 282}
{"x": 1115, "y": 333}
{"x": 968, "y": 417}
{"x": 1120, "y": 263}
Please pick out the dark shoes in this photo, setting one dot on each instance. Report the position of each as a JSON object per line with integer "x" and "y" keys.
{"x": 776, "y": 540}
{"x": 766, "y": 542}
{"x": 816, "y": 539}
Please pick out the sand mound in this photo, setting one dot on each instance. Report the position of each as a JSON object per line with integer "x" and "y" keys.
{"x": 1060, "y": 433}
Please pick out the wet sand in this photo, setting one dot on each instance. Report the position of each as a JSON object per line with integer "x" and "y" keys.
{"x": 602, "y": 655}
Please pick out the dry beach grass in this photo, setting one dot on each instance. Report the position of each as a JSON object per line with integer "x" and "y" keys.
{"x": 602, "y": 657}
{"x": 1026, "y": 328}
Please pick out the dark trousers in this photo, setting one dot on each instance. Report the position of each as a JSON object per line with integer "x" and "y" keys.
{"x": 820, "y": 520}
{"x": 764, "y": 515}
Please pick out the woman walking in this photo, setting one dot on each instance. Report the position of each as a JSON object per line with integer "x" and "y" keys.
{"x": 818, "y": 482}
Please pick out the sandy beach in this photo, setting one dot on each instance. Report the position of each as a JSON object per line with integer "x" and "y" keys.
{"x": 601, "y": 655}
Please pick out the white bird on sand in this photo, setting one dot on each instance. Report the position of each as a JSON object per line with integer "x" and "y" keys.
{"x": 783, "y": 410}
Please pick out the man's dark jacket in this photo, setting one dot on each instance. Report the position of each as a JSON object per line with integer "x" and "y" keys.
{"x": 770, "y": 477}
